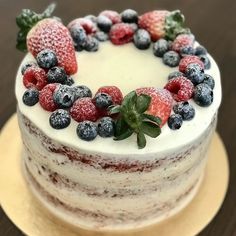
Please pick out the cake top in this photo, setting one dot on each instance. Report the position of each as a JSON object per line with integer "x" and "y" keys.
{"x": 112, "y": 110}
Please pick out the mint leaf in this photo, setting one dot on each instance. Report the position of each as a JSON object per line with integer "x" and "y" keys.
{"x": 152, "y": 118}
{"x": 142, "y": 103}
{"x": 150, "y": 128}
{"x": 141, "y": 140}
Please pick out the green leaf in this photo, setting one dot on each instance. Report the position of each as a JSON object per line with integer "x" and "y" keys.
{"x": 150, "y": 128}
{"x": 152, "y": 118}
{"x": 142, "y": 103}
{"x": 114, "y": 109}
{"x": 124, "y": 135}
{"x": 129, "y": 101}
{"x": 49, "y": 10}
{"x": 141, "y": 140}
{"x": 120, "y": 127}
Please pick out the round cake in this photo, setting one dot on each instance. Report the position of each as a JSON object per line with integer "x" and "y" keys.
{"x": 116, "y": 113}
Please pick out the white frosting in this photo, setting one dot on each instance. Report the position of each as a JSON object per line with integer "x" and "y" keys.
{"x": 128, "y": 68}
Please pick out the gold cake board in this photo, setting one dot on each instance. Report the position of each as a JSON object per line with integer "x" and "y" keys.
{"x": 29, "y": 216}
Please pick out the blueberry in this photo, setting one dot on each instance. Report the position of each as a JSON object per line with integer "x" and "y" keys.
{"x": 103, "y": 100}
{"x": 171, "y": 58}
{"x": 101, "y": 36}
{"x": 82, "y": 91}
{"x": 129, "y": 16}
{"x": 200, "y": 50}
{"x": 134, "y": 26}
{"x": 195, "y": 73}
{"x": 27, "y": 65}
{"x": 56, "y": 75}
{"x": 60, "y": 119}
{"x": 209, "y": 80}
{"x": 106, "y": 127}
{"x": 206, "y": 61}
{"x": 30, "y": 97}
{"x": 187, "y": 50}
{"x": 92, "y": 18}
{"x": 160, "y": 47}
{"x": 104, "y": 23}
{"x": 175, "y": 74}
{"x": 175, "y": 121}
{"x": 142, "y": 39}
{"x": 64, "y": 96}
{"x": 203, "y": 95}
{"x": 69, "y": 81}
{"x": 92, "y": 44}
{"x": 184, "y": 109}
{"x": 79, "y": 37}
{"x": 47, "y": 59}
{"x": 87, "y": 130}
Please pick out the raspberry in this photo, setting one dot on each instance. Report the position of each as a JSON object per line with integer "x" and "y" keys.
{"x": 46, "y": 97}
{"x": 184, "y": 62}
{"x": 112, "y": 15}
{"x": 121, "y": 33}
{"x": 114, "y": 92}
{"x": 181, "y": 41}
{"x": 181, "y": 88}
{"x": 84, "y": 109}
{"x": 87, "y": 25}
{"x": 34, "y": 77}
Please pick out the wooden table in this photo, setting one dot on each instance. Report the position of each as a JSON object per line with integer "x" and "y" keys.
{"x": 212, "y": 21}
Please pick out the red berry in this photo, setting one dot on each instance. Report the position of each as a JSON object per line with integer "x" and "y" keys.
{"x": 182, "y": 40}
{"x": 86, "y": 24}
{"x": 112, "y": 15}
{"x": 181, "y": 88}
{"x": 84, "y": 109}
{"x": 46, "y": 97}
{"x": 121, "y": 33}
{"x": 114, "y": 92}
{"x": 34, "y": 77}
{"x": 161, "y": 103}
{"x": 184, "y": 62}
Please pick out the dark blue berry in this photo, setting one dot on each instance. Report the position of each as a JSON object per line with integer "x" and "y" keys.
{"x": 175, "y": 121}
{"x": 129, "y": 16}
{"x": 160, "y": 47}
{"x": 79, "y": 37}
{"x": 184, "y": 109}
{"x": 195, "y": 73}
{"x": 69, "y": 81}
{"x": 104, "y": 23}
{"x": 203, "y": 95}
{"x": 47, "y": 59}
{"x": 92, "y": 18}
{"x": 27, "y": 65}
{"x": 30, "y": 97}
{"x": 64, "y": 96}
{"x": 60, "y": 119}
{"x": 103, "y": 100}
{"x": 106, "y": 127}
{"x": 209, "y": 80}
{"x": 101, "y": 36}
{"x": 134, "y": 26}
{"x": 200, "y": 50}
{"x": 187, "y": 50}
{"x": 82, "y": 91}
{"x": 206, "y": 61}
{"x": 171, "y": 58}
{"x": 92, "y": 44}
{"x": 56, "y": 75}
{"x": 142, "y": 39}
{"x": 175, "y": 74}
{"x": 87, "y": 130}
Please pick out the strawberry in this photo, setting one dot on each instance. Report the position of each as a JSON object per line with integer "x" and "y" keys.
{"x": 87, "y": 25}
{"x": 39, "y": 33}
{"x": 181, "y": 41}
{"x": 185, "y": 61}
{"x": 112, "y": 15}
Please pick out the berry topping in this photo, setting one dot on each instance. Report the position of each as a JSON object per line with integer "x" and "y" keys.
{"x": 60, "y": 119}
{"x": 102, "y": 100}
{"x": 101, "y": 36}
{"x": 106, "y": 127}
{"x": 184, "y": 62}
{"x": 175, "y": 121}
{"x": 104, "y": 23}
{"x": 30, "y": 97}
{"x": 195, "y": 73}
{"x": 129, "y": 16}
{"x": 114, "y": 92}
{"x": 69, "y": 81}
{"x": 46, "y": 59}
{"x": 171, "y": 58}
{"x": 46, "y": 97}
{"x": 175, "y": 74}
{"x": 27, "y": 65}
{"x": 79, "y": 36}
{"x": 203, "y": 95}
{"x": 209, "y": 81}
{"x": 142, "y": 39}
{"x": 182, "y": 41}
{"x": 34, "y": 77}
{"x": 92, "y": 18}
{"x": 87, "y": 24}
{"x": 87, "y": 130}
{"x": 112, "y": 15}
{"x": 134, "y": 26}
{"x": 206, "y": 61}
{"x": 200, "y": 50}
{"x": 181, "y": 88}
{"x": 64, "y": 96}
{"x": 92, "y": 44}
{"x": 187, "y": 50}
{"x": 184, "y": 109}
{"x": 160, "y": 47}
{"x": 84, "y": 109}
{"x": 82, "y": 91}
{"x": 56, "y": 75}
{"x": 161, "y": 102}
{"x": 121, "y": 33}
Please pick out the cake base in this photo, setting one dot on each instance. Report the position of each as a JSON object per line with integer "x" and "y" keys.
{"x": 28, "y": 214}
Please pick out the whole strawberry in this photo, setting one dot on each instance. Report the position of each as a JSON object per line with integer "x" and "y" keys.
{"x": 38, "y": 32}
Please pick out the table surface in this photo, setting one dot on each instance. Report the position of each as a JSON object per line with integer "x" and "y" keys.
{"x": 212, "y": 21}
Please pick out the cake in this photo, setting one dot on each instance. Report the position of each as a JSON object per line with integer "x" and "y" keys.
{"x": 116, "y": 114}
